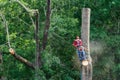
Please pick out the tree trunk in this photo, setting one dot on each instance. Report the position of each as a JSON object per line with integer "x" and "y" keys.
{"x": 47, "y": 24}
{"x": 85, "y": 33}
{"x": 37, "y": 55}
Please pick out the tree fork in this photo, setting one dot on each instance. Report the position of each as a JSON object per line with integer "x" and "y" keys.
{"x": 85, "y": 33}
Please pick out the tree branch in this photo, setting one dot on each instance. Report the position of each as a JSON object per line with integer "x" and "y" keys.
{"x": 23, "y": 60}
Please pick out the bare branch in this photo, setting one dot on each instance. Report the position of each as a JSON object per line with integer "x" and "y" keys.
{"x": 23, "y": 60}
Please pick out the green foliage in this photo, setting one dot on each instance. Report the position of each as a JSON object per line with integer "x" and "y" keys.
{"x": 65, "y": 24}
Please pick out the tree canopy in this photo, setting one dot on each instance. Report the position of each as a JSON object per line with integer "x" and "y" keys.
{"x": 59, "y": 59}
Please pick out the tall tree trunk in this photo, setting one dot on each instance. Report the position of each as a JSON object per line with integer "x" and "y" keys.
{"x": 47, "y": 24}
{"x": 37, "y": 55}
{"x": 85, "y": 33}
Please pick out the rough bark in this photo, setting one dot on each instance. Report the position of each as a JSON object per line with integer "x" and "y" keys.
{"x": 23, "y": 60}
{"x": 85, "y": 33}
{"x": 47, "y": 24}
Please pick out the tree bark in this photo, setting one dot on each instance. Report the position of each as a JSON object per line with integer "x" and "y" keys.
{"x": 85, "y": 33}
{"x": 37, "y": 55}
{"x": 23, "y": 60}
{"x": 47, "y": 24}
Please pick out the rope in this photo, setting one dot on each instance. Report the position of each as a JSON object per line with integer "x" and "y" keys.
{"x": 7, "y": 31}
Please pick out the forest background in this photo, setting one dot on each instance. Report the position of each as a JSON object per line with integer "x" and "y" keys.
{"x": 59, "y": 59}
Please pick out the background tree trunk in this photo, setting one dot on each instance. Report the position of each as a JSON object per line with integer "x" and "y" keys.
{"x": 47, "y": 24}
{"x": 85, "y": 33}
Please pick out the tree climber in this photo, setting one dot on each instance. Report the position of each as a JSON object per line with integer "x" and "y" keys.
{"x": 81, "y": 53}
{"x": 77, "y": 43}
